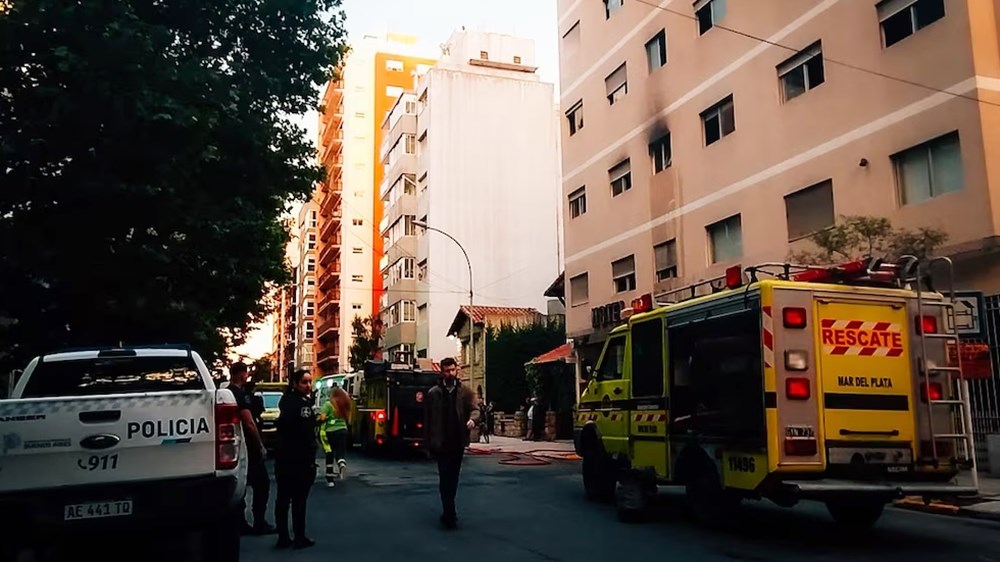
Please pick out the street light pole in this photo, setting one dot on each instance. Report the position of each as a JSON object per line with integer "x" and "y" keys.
{"x": 472, "y": 324}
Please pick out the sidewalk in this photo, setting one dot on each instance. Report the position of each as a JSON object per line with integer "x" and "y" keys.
{"x": 558, "y": 450}
{"x": 985, "y": 506}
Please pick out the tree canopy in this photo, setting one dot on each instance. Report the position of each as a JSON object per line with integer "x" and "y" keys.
{"x": 856, "y": 237}
{"x": 367, "y": 337}
{"x": 508, "y": 348}
{"x": 147, "y": 153}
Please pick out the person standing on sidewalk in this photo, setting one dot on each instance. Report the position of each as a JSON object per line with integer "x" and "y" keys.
{"x": 295, "y": 465}
{"x": 450, "y": 413}
{"x": 333, "y": 416}
{"x": 257, "y": 478}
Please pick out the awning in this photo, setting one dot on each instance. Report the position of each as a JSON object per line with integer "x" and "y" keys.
{"x": 560, "y": 354}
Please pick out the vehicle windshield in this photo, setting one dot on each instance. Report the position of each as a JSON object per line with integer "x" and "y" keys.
{"x": 112, "y": 375}
{"x": 271, "y": 400}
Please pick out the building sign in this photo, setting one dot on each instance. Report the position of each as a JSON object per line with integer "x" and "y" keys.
{"x": 976, "y": 360}
{"x": 969, "y": 314}
{"x": 607, "y": 315}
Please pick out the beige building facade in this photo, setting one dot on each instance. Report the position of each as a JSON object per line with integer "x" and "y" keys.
{"x": 703, "y": 135}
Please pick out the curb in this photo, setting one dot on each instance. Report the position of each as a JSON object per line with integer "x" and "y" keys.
{"x": 941, "y": 508}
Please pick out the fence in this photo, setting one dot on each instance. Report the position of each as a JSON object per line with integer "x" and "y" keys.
{"x": 985, "y": 393}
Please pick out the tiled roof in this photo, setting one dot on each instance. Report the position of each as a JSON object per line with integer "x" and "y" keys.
{"x": 491, "y": 315}
{"x": 560, "y": 353}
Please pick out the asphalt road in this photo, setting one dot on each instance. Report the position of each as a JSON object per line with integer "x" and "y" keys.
{"x": 388, "y": 510}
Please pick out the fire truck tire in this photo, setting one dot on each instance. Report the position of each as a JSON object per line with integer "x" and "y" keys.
{"x": 708, "y": 501}
{"x": 633, "y": 497}
{"x": 598, "y": 477}
{"x": 856, "y": 515}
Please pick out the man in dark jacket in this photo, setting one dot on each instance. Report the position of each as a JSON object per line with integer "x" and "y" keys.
{"x": 450, "y": 413}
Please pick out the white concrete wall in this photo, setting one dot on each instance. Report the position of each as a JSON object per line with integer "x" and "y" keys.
{"x": 493, "y": 182}
{"x": 358, "y": 192}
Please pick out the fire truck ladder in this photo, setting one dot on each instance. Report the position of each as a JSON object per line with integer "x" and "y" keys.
{"x": 959, "y": 410}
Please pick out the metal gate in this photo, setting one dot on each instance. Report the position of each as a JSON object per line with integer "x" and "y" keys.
{"x": 985, "y": 393}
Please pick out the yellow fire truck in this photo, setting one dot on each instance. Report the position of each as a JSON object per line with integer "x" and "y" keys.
{"x": 782, "y": 382}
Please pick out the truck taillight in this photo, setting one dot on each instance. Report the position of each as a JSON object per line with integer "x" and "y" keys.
{"x": 395, "y": 422}
{"x": 380, "y": 416}
{"x": 931, "y": 391}
{"x": 927, "y": 325}
{"x": 800, "y": 447}
{"x": 227, "y": 444}
{"x": 797, "y": 388}
{"x": 797, "y": 360}
{"x": 794, "y": 317}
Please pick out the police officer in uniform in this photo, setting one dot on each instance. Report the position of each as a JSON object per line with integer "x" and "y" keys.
{"x": 295, "y": 463}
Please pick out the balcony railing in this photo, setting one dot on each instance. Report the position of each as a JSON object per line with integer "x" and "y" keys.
{"x": 329, "y": 328}
{"x": 331, "y": 226}
{"x": 330, "y": 254}
{"x": 329, "y": 303}
{"x": 330, "y": 277}
{"x": 328, "y": 355}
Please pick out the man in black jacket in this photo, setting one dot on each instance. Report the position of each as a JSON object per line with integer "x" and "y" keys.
{"x": 257, "y": 477}
{"x": 450, "y": 414}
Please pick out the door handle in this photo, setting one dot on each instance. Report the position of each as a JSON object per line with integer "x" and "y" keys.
{"x": 104, "y": 416}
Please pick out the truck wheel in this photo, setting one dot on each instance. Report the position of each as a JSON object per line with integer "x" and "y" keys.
{"x": 222, "y": 544}
{"x": 598, "y": 478}
{"x": 633, "y": 497}
{"x": 709, "y": 502}
{"x": 858, "y": 516}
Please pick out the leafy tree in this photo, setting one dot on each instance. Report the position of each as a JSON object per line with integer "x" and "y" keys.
{"x": 857, "y": 237}
{"x": 146, "y": 157}
{"x": 367, "y": 337}
{"x": 507, "y": 350}
{"x": 261, "y": 370}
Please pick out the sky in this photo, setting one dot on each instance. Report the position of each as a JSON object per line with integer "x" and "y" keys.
{"x": 432, "y": 21}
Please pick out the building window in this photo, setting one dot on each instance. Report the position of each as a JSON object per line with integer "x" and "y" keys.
{"x": 358, "y": 250}
{"x": 359, "y": 114}
{"x": 409, "y": 229}
{"x": 659, "y": 152}
{"x": 408, "y": 268}
{"x": 616, "y": 84}
{"x": 621, "y": 178}
{"x": 310, "y": 308}
{"x": 929, "y": 169}
{"x": 802, "y": 73}
{"x": 575, "y": 117}
{"x": 726, "y": 239}
{"x": 356, "y": 306}
{"x": 579, "y": 290}
{"x": 312, "y": 219}
{"x": 656, "y": 51}
{"x": 310, "y": 330}
{"x": 612, "y": 6}
{"x": 357, "y": 278}
{"x": 393, "y": 91}
{"x": 709, "y": 13}
{"x": 719, "y": 120}
{"x": 517, "y": 59}
{"x": 358, "y": 222}
{"x": 422, "y": 270}
{"x": 394, "y": 65}
{"x": 312, "y": 242}
{"x": 665, "y": 260}
{"x": 578, "y": 202}
{"x": 310, "y": 264}
{"x": 901, "y": 18}
{"x": 310, "y": 282}
{"x": 410, "y": 107}
{"x": 571, "y": 41}
{"x": 409, "y": 311}
{"x": 809, "y": 210}
{"x": 411, "y": 144}
{"x": 623, "y": 274}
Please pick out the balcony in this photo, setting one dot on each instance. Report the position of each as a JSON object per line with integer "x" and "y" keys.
{"x": 333, "y": 137}
{"x": 330, "y": 278}
{"x": 329, "y": 329}
{"x": 329, "y": 303}
{"x": 328, "y": 356}
{"x": 331, "y": 226}
{"x": 330, "y": 254}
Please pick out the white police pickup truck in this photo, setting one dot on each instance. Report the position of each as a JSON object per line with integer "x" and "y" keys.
{"x": 118, "y": 440}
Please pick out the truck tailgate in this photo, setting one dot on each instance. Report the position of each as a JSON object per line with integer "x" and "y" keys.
{"x": 111, "y": 438}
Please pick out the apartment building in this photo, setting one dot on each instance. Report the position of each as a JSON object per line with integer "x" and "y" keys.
{"x": 689, "y": 146}
{"x": 472, "y": 153}
{"x": 377, "y": 71}
{"x": 305, "y": 285}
